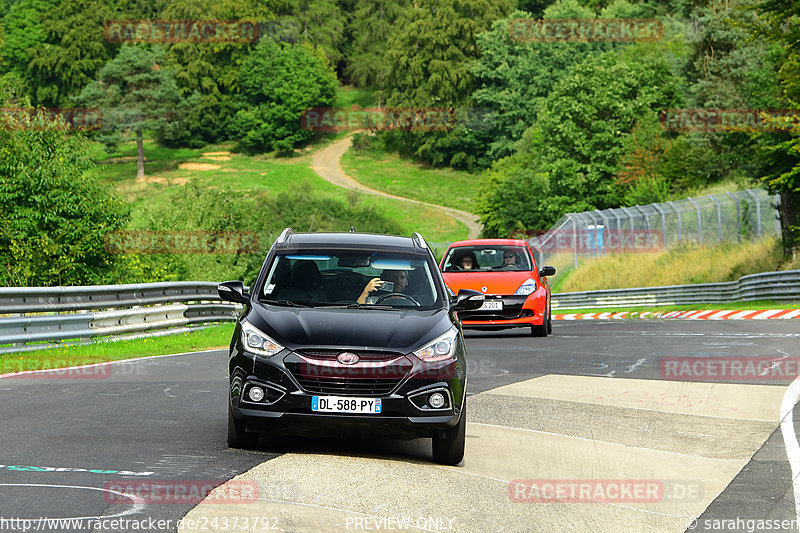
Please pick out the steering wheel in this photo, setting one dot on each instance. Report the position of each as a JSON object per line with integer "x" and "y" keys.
{"x": 391, "y": 294}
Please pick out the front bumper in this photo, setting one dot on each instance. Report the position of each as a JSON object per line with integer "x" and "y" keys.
{"x": 518, "y": 311}
{"x": 292, "y": 380}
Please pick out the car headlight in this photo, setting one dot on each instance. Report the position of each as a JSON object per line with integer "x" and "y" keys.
{"x": 258, "y": 342}
{"x": 439, "y": 349}
{"x": 527, "y": 287}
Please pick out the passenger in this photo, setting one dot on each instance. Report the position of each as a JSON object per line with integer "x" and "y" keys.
{"x": 510, "y": 260}
{"x": 468, "y": 262}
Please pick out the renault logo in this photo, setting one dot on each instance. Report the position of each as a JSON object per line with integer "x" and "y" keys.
{"x": 347, "y": 358}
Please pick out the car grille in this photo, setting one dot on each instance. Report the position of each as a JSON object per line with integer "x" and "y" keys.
{"x": 506, "y": 314}
{"x": 363, "y": 355}
{"x": 356, "y": 380}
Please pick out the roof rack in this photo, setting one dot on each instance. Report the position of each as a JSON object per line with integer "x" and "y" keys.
{"x": 284, "y": 236}
{"x": 419, "y": 240}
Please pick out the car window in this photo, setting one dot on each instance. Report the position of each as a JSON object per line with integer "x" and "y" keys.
{"x": 340, "y": 277}
{"x": 487, "y": 258}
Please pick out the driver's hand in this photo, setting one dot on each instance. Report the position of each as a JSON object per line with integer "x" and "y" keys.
{"x": 373, "y": 285}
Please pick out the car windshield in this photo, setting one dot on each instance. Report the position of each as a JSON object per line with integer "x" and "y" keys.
{"x": 351, "y": 279}
{"x": 487, "y": 258}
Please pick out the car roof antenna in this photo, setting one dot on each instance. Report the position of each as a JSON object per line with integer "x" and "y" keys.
{"x": 352, "y": 229}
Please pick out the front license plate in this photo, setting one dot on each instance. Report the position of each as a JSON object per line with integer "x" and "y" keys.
{"x": 491, "y": 305}
{"x": 343, "y": 404}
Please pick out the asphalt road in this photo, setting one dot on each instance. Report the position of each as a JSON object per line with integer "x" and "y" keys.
{"x": 539, "y": 409}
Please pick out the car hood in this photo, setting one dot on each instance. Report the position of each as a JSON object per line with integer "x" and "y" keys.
{"x": 498, "y": 282}
{"x": 402, "y": 331}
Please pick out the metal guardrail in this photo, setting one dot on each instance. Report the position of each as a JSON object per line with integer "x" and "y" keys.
{"x": 40, "y": 317}
{"x": 765, "y": 286}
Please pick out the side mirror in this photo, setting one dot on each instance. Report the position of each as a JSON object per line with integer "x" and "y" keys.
{"x": 547, "y": 271}
{"x": 233, "y": 291}
{"x": 468, "y": 300}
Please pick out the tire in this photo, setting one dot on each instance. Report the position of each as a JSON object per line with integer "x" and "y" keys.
{"x": 237, "y": 436}
{"x": 449, "y": 450}
{"x": 541, "y": 330}
{"x": 549, "y": 321}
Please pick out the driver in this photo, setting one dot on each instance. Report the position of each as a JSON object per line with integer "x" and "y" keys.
{"x": 398, "y": 277}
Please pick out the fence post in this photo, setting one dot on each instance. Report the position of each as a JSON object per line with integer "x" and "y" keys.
{"x": 738, "y": 217}
{"x": 719, "y": 217}
{"x": 663, "y": 224}
{"x": 574, "y": 238}
{"x": 758, "y": 211}
{"x": 678, "y": 211}
{"x": 699, "y": 220}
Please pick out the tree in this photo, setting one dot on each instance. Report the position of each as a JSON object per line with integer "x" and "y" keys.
{"x": 515, "y": 76}
{"x": 372, "y": 25}
{"x": 429, "y": 55}
{"x": 210, "y": 69}
{"x": 134, "y": 95}
{"x": 780, "y": 151}
{"x": 54, "y": 213}
{"x": 428, "y": 62}
{"x": 580, "y": 134}
{"x": 23, "y": 33}
{"x": 74, "y": 51}
{"x": 277, "y": 82}
{"x": 319, "y": 23}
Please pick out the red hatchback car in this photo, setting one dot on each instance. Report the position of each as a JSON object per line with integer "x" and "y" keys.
{"x": 517, "y": 293}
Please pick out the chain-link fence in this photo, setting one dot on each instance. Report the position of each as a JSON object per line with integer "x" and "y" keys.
{"x": 748, "y": 214}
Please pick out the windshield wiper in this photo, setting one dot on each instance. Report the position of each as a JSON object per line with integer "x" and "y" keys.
{"x": 287, "y": 303}
{"x": 368, "y": 306}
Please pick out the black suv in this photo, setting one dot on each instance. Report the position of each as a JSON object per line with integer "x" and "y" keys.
{"x": 349, "y": 334}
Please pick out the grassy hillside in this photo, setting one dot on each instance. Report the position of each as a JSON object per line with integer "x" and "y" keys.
{"x": 402, "y": 177}
{"x": 216, "y": 166}
{"x": 682, "y": 264}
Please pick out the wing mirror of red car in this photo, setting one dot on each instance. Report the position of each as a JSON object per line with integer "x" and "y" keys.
{"x": 233, "y": 291}
{"x": 467, "y": 300}
{"x": 547, "y": 271}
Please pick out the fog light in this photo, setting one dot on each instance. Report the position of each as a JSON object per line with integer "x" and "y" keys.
{"x": 256, "y": 394}
{"x": 436, "y": 400}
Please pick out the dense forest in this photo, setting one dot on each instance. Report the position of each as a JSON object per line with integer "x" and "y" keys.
{"x": 553, "y": 125}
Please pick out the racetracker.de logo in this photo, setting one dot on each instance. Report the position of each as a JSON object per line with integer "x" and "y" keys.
{"x": 181, "y": 31}
{"x": 587, "y": 241}
{"x": 64, "y": 370}
{"x": 181, "y": 242}
{"x": 586, "y": 491}
{"x": 730, "y": 368}
{"x": 335, "y": 119}
{"x": 729, "y": 120}
{"x": 181, "y": 492}
{"x": 40, "y": 119}
{"x": 585, "y": 30}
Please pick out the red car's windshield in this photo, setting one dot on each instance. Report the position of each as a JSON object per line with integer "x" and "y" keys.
{"x": 487, "y": 258}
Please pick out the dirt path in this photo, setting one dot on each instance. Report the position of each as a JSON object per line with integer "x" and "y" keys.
{"x": 327, "y": 163}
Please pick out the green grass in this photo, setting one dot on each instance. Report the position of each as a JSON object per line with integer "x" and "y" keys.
{"x": 348, "y": 97}
{"x": 402, "y": 177}
{"x": 682, "y": 264}
{"x": 742, "y": 306}
{"x": 253, "y": 173}
{"x": 217, "y": 336}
